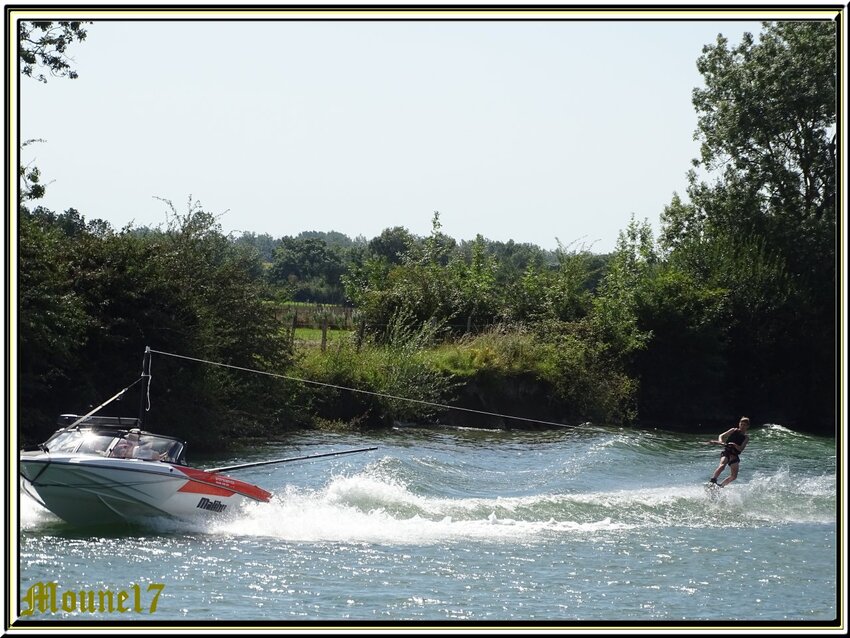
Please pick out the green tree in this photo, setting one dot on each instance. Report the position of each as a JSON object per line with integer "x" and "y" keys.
{"x": 30, "y": 186}
{"x": 310, "y": 268}
{"x": 765, "y": 229}
{"x": 683, "y": 370}
{"x": 305, "y": 259}
{"x": 615, "y": 307}
{"x": 392, "y": 244}
{"x": 513, "y": 259}
{"x": 767, "y": 114}
{"x": 45, "y": 44}
{"x": 438, "y": 247}
{"x": 527, "y": 298}
{"x": 333, "y": 239}
{"x": 92, "y": 299}
{"x": 263, "y": 243}
{"x": 474, "y": 288}
{"x": 418, "y": 290}
{"x": 51, "y": 320}
{"x": 569, "y": 297}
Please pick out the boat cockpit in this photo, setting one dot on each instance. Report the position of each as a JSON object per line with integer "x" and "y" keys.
{"x": 113, "y": 437}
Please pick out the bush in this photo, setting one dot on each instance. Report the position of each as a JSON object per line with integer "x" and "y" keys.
{"x": 374, "y": 384}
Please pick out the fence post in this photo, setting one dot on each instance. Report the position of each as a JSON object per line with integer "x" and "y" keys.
{"x": 324, "y": 332}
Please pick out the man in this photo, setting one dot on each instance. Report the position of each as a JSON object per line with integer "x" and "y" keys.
{"x": 733, "y": 441}
{"x": 125, "y": 447}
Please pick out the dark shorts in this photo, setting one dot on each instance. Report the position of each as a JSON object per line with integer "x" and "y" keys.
{"x": 731, "y": 456}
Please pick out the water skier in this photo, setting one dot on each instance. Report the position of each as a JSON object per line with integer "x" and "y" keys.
{"x": 733, "y": 441}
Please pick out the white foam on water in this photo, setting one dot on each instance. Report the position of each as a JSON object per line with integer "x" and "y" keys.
{"x": 365, "y": 509}
{"x": 782, "y": 497}
{"x": 375, "y": 506}
{"x": 32, "y": 513}
{"x": 378, "y": 509}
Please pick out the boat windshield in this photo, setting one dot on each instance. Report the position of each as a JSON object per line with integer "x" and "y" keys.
{"x": 93, "y": 442}
{"x": 151, "y": 447}
{"x": 82, "y": 441}
{"x": 116, "y": 444}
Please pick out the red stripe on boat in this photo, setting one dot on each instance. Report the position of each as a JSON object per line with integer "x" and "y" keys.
{"x": 219, "y": 485}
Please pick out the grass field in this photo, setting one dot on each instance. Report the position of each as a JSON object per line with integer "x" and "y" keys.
{"x": 315, "y": 334}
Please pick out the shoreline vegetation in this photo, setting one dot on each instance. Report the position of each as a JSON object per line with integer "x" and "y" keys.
{"x": 730, "y": 310}
{"x": 569, "y": 355}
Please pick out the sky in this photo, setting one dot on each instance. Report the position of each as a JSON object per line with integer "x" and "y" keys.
{"x": 540, "y": 132}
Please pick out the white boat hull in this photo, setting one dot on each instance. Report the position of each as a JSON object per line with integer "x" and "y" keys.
{"x": 91, "y": 490}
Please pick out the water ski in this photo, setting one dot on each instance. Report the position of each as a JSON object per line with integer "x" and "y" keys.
{"x": 713, "y": 489}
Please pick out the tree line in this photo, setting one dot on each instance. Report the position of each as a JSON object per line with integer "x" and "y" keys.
{"x": 730, "y": 310}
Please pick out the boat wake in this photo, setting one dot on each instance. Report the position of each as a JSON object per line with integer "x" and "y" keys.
{"x": 387, "y": 503}
{"x": 371, "y": 508}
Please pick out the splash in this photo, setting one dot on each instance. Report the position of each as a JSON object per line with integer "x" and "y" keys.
{"x": 33, "y": 515}
{"x": 371, "y": 509}
{"x": 394, "y": 504}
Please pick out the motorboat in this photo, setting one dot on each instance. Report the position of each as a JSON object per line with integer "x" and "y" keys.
{"x": 101, "y": 470}
{"x": 97, "y": 470}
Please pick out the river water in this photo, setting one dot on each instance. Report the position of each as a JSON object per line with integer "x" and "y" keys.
{"x": 591, "y": 526}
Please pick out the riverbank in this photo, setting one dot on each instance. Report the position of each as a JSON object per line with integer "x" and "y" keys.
{"x": 498, "y": 381}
